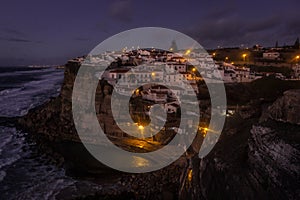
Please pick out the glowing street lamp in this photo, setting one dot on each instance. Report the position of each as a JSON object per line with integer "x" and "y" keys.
{"x": 188, "y": 52}
{"x": 297, "y": 58}
{"x": 141, "y": 127}
{"x": 204, "y": 130}
{"x": 194, "y": 70}
{"x": 190, "y": 175}
{"x": 244, "y": 57}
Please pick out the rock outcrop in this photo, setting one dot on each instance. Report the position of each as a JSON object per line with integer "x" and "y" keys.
{"x": 54, "y": 119}
{"x": 286, "y": 108}
{"x": 256, "y": 161}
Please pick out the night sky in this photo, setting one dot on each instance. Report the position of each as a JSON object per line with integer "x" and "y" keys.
{"x": 50, "y": 32}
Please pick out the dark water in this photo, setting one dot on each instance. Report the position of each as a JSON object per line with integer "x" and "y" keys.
{"x": 24, "y": 172}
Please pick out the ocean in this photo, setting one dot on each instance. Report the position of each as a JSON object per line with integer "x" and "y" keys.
{"x": 25, "y": 172}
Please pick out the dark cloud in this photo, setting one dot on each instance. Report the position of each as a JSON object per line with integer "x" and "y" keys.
{"x": 263, "y": 24}
{"x": 225, "y": 11}
{"x": 121, "y": 10}
{"x": 83, "y": 39}
{"x": 12, "y": 31}
{"x": 72, "y": 31}
{"x": 293, "y": 26}
{"x": 215, "y": 30}
{"x": 13, "y": 35}
{"x": 104, "y": 26}
{"x": 14, "y": 39}
{"x": 233, "y": 30}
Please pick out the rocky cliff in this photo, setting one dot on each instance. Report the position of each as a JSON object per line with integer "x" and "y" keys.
{"x": 53, "y": 120}
{"x": 52, "y": 123}
{"x": 286, "y": 108}
{"x": 253, "y": 160}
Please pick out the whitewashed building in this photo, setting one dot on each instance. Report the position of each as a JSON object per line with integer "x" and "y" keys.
{"x": 273, "y": 55}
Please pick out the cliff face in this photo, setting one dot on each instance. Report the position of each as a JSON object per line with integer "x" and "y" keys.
{"x": 286, "y": 108}
{"x": 53, "y": 120}
{"x": 254, "y": 160}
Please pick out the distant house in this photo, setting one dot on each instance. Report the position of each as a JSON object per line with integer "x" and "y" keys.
{"x": 273, "y": 55}
{"x": 173, "y": 78}
{"x": 296, "y": 69}
{"x": 143, "y": 52}
{"x": 158, "y": 88}
{"x": 171, "y": 107}
{"x": 157, "y": 97}
{"x": 178, "y": 59}
{"x": 177, "y": 67}
{"x": 117, "y": 74}
{"x": 188, "y": 76}
{"x": 231, "y": 73}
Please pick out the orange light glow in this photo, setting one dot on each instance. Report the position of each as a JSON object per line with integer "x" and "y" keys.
{"x": 188, "y": 52}
{"x": 190, "y": 175}
{"x": 141, "y": 127}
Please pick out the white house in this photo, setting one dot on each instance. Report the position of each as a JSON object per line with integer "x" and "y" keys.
{"x": 143, "y": 52}
{"x": 157, "y": 97}
{"x": 179, "y": 67}
{"x": 296, "y": 69}
{"x": 273, "y": 55}
{"x": 171, "y": 107}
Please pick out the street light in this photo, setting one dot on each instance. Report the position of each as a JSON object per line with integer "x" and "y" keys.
{"x": 188, "y": 52}
{"x": 194, "y": 70}
{"x": 297, "y": 59}
{"x": 244, "y": 57}
{"x": 141, "y": 127}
